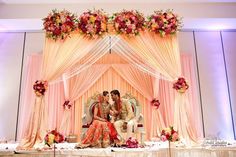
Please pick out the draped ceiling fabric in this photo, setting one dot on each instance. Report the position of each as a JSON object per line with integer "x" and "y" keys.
{"x": 66, "y": 61}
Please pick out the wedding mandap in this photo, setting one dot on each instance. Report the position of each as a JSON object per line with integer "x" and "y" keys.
{"x": 82, "y": 56}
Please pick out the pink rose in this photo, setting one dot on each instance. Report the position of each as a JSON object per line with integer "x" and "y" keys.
{"x": 163, "y": 138}
{"x": 175, "y": 137}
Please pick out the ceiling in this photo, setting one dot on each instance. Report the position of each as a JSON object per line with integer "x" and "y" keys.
{"x": 26, "y": 15}
{"x": 109, "y": 1}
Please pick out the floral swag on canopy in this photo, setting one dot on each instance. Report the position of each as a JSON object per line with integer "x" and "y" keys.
{"x": 73, "y": 45}
{"x": 60, "y": 24}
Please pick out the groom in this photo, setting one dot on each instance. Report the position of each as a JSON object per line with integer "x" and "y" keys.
{"x": 124, "y": 115}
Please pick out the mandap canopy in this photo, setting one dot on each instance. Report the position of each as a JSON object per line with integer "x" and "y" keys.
{"x": 77, "y": 53}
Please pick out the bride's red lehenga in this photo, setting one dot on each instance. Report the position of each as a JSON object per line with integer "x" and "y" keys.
{"x": 100, "y": 133}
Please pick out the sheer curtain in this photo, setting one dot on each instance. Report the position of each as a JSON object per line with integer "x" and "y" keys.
{"x": 59, "y": 56}
{"x": 114, "y": 75}
{"x": 160, "y": 53}
{"x": 75, "y": 87}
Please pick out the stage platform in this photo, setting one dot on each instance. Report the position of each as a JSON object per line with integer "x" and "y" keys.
{"x": 152, "y": 149}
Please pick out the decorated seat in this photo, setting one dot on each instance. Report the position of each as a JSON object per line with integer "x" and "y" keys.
{"x": 93, "y": 100}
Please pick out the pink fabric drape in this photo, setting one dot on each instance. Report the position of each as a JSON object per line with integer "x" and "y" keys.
{"x": 52, "y": 106}
{"x": 167, "y": 99}
{"x": 28, "y": 97}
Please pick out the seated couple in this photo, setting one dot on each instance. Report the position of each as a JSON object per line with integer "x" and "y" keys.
{"x": 104, "y": 132}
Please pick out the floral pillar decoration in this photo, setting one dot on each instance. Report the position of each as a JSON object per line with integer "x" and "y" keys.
{"x": 53, "y": 137}
{"x": 170, "y": 135}
{"x": 38, "y": 118}
{"x": 181, "y": 117}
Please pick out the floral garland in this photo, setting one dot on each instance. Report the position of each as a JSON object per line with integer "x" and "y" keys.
{"x": 93, "y": 23}
{"x": 40, "y": 87}
{"x": 181, "y": 85}
{"x": 53, "y": 137}
{"x": 155, "y": 102}
{"x": 128, "y": 22}
{"x": 169, "y": 134}
{"x": 59, "y": 24}
{"x": 132, "y": 142}
{"x": 164, "y": 22}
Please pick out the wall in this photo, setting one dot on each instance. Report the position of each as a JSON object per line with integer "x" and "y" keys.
{"x": 11, "y": 52}
{"x": 214, "y": 57}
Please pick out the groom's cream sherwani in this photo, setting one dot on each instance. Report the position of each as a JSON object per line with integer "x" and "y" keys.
{"x": 126, "y": 115}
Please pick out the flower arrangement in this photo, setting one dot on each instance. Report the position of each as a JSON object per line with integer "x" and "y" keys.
{"x": 40, "y": 87}
{"x": 155, "y": 102}
{"x": 132, "y": 142}
{"x": 169, "y": 134}
{"x": 181, "y": 85}
{"x": 67, "y": 104}
{"x": 128, "y": 22}
{"x": 59, "y": 24}
{"x": 164, "y": 22}
{"x": 93, "y": 23}
{"x": 53, "y": 137}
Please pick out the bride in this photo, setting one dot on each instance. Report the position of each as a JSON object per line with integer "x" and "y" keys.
{"x": 101, "y": 132}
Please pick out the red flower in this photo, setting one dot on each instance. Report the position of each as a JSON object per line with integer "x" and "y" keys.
{"x": 40, "y": 87}
{"x": 173, "y": 131}
{"x": 57, "y": 31}
{"x": 168, "y": 136}
{"x": 67, "y": 104}
{"x": 155, "y": 103}
{"x": 132, "y": 143}
{"x": 181, "y": 85}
